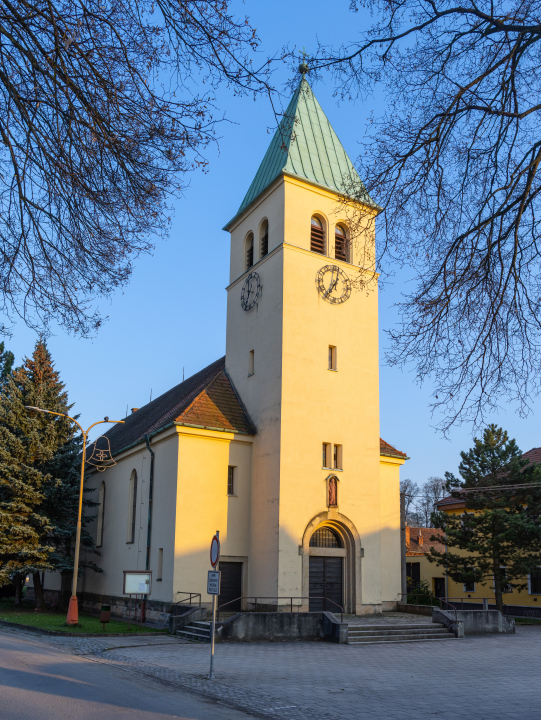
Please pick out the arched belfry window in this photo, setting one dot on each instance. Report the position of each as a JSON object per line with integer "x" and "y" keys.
{"x": 101, "y": 515}
{"x": 326, "y": 537}
{"x": 249, "y": 250}
{"x": 265, "y": 238}
{"x": 317, "y": 236}
{"x": 340, "y": 244}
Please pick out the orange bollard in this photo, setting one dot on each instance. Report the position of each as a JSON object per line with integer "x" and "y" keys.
{"x": 73, "y": 611}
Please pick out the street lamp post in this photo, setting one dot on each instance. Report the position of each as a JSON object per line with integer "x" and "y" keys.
{"x": 73, "y": 610}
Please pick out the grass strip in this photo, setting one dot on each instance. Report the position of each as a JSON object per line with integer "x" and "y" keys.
{"x": 57, "y": 621}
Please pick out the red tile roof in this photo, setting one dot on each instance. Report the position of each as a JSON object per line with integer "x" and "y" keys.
{"x": 206, "y": 399}
{"x": 534, "y": 456}
{"x": 414, "y": 547}
{"x": 390, "y": 451}
{"x": 450, "y": 500}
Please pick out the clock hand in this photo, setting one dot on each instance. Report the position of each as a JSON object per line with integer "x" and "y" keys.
{"x": 332, "y": 284}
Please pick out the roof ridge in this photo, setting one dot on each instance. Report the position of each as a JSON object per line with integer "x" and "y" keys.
{"x": 201, "y": 391}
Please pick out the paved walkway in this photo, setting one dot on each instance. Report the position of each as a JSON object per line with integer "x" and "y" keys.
{"x": 492, "y": 677}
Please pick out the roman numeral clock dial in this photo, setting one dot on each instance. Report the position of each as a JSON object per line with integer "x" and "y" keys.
{"x": 333, "y": 284}
{"x": 251, "y": 289}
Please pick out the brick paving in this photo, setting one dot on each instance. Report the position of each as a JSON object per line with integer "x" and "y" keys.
{"x": 491, "y": 677}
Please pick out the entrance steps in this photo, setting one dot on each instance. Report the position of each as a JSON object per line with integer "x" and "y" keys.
{"x": 196, "y": 631}
{"x": 372, "y": 634}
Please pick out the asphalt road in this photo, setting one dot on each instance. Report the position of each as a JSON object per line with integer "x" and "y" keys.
{"x": 39, "y": 681}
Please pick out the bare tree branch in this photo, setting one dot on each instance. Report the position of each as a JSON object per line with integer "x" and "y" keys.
{"x": 100, "y": 119}
{"x": 455, "y": 162}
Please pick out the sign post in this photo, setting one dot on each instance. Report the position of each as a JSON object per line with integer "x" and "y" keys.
{"x": 213, "y": 588}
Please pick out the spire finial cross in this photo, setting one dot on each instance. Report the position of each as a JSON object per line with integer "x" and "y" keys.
{"x": 303, "y": 67}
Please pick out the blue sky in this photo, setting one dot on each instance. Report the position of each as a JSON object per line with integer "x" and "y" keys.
{"x": 170, "y": 319}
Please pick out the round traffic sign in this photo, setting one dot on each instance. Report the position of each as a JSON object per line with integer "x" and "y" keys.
{"x": 214, "y": 551}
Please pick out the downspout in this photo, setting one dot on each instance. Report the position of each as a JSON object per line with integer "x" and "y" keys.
{"x": 149, "y": 524}
{"x": 150, "y": 493}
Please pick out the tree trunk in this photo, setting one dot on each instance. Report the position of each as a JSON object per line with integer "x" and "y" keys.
{"x": 38, "y": 591}
{"x": 497, "y": 583}
{"x": 18, "y": 581}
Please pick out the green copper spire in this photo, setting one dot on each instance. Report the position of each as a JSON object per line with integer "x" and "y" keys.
{"x": 306, "y": 146}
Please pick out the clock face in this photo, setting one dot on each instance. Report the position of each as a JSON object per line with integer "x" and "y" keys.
{"x": 250, "y": 291}
{"x": 333, "y": 284}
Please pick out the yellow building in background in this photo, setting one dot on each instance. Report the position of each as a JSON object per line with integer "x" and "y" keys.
{"x": 276, "y": 445}
{"x": 418, "y": 568}
{"x": 519, "y": 601}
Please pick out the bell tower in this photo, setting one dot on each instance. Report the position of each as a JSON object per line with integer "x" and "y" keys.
{"x": 302, "y": 352}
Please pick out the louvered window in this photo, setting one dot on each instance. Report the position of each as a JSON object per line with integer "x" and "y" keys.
{"x": 265, "y": 240}
{"x": 340, "y": 244}
{"x": 250, "y": 251}
{"x": 317, "y": 237}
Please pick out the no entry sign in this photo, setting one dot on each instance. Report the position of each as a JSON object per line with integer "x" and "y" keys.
{"x": 214, "y": 551}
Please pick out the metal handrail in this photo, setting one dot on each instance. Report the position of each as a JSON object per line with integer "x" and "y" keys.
{"x": 438, "y": 599}
{"x": 281, "y": 597}
{"x": 476, "y": 600}
{"x": 189, "y": 598}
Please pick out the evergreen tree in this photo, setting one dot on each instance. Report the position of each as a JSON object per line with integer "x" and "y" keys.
{"x": 7, "y": 359}
{"x": 23, "y": 447}
{"x": 499, "y": 536}
{"x": 39, "y": 473}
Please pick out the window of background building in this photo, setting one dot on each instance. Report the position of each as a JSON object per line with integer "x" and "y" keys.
{"x": 317, "y": 236}
{"x": 327, "y": 455}
{"x": 231, "y": 480}
{"x": 469, "y": 586}
{"x": 535, "y": 582}
{"x": 132, "y": 507}
{"x": 413, "y": 573}
{"x": 251, "y": 363}
{"x": 332, "y": 357}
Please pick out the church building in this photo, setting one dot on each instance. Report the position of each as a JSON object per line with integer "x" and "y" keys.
{"x": 277, "y": 444}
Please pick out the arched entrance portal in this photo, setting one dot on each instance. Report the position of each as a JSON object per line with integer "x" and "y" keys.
{"x": 326, "y": 571}
{"x": 331, "y": 550}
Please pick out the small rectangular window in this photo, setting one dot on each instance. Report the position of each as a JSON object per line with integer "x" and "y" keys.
{"x": 332, "y": 357}
{"x": 251, "y": 363}
{"x": 337, "y": 457}
{"x": 231, "y": 480}
{"x": 160, "y": 564}
{"x": 327, "y": 455}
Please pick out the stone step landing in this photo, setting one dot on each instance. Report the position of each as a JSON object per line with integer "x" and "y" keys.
{"x": 372, "y": 634}
{"x": 197, "y": 631}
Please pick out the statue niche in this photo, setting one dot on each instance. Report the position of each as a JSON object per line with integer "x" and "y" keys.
{"x": 332, "y": 492}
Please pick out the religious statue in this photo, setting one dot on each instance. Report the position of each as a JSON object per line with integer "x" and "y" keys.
{"x": 333, "y": 492}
